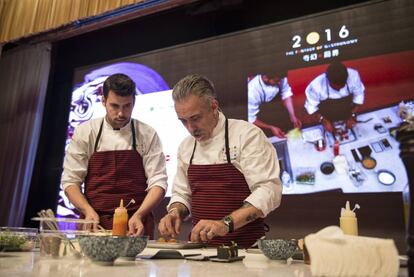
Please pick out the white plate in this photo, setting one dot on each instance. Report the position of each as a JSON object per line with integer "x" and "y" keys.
{"x": 175, "y": 245}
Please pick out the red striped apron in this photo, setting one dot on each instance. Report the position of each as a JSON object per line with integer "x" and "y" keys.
{"x": 116, "y": 175}
{"x": 217, "y": 190}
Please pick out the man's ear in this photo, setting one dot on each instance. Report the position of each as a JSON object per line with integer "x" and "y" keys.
{"x": 103, "y": 101}
{"x": 214, "y": 104}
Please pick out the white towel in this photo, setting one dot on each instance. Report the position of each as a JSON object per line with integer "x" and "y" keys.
{"x": 334, "y": 254}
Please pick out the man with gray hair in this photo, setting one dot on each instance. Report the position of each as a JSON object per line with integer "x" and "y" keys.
{"x": 227, "y": 172}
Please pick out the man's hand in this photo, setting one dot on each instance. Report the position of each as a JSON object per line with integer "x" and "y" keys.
{"x": 277, "y": 132}
{"x": 206, "y": 230}
{"x": 90, "y": 214}
{"x": 170, "y": 224}
{"x": 135, "y": 225}
{"x": 327, "y": 125}
{"x": 296, "y": 122}
{"x": 350, "y": 122}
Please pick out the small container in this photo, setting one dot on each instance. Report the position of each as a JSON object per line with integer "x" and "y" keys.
{"x": 51, "y": 244}
{"x": 120, "y": 222}
{"x": 348, "y": 221}
{"x": 320, "y": 145}
{"x": 18, "y": 238}
{"x": 369, "y": 162}
{"x": 341, "y": 164}
{"x": 327, "y": 168}
{"x": 305, "y": 176}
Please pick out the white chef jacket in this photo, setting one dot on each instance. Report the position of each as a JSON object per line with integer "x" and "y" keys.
{"x": 82, "y": 146}
{"x": 258, "y": 93}
{"x": 250, "y": 152}
{"x": 317, "y": 90}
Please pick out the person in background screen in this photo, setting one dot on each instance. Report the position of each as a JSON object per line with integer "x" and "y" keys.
{"x": 116, "y": 157}
{"x": 335, "y": 95}
{"x": 227, "y": 174}
{"x": 266, "y": 92}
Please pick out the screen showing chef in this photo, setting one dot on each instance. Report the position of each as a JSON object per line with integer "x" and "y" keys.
{"x": 348, "y": 111}
{"x": 327, "y": 89}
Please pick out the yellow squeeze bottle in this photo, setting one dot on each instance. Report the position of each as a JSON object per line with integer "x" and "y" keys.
{"x": 348, "y": 220}
{"x": 120, "y": 222}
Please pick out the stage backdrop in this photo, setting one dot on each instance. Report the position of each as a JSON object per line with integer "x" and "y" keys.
{"x": 375, "y": 39}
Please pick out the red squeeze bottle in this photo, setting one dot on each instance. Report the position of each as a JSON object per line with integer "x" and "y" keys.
{"x": 120, "y": 222}
{"x": 336, "y": 148}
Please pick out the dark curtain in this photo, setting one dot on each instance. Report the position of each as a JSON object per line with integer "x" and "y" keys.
{"x": 24, "y": 73}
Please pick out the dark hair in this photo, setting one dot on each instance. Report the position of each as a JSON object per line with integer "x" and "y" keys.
{"x": 277, "y": 70}
{"x": 281, "y": 73}
{"x": 337, "y": 73}
{"x": 120, "y": 84}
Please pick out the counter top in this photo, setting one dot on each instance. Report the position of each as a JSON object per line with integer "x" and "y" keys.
{"x": 18, "y": 264}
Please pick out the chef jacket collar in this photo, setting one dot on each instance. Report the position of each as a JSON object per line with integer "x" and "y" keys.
{"x": 108, "y": 126}
{"x": 219, "y": 127}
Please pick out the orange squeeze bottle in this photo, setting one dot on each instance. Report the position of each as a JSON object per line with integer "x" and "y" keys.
{"x": 120, "y": 222}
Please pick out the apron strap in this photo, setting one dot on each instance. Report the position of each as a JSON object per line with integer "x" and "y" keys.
{"x": 194, "y": 148}
{"x": 226, "y": 141}
{"x": 99, "y": 136}
{"x": 134, "y": 142}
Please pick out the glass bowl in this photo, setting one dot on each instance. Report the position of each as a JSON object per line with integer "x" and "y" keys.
{"x": 58, "y": 236}
{"x": 18, "y": 238}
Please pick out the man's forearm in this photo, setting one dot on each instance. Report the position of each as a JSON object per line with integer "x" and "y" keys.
{"x": 261, "y": 124}
{"x": 77, "y": 198}
{"x": 318, "y": 117}
{"x": 245, "y": 214}
{"x": 355, "y": 108}
{"x": 289, "y": 106}
{"x": 180, "y": 208}
{"x": 154, "y": 196}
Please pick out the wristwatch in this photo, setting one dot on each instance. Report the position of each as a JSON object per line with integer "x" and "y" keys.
{"x": 228, "y": 220}
{"x": 321, "y": 118}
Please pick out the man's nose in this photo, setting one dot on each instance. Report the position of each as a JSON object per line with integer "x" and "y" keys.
{"x": 191, "y": 127}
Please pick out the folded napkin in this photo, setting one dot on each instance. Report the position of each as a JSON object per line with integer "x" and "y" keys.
{"x": 334, "y": 254}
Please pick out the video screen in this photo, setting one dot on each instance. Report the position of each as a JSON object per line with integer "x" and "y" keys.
{"x": 374, "y": 42}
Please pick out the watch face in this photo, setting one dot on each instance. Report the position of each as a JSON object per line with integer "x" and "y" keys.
{"x": 229, "y": 222}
